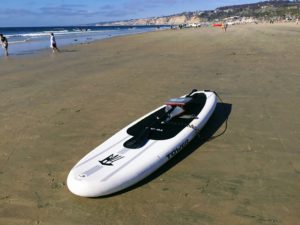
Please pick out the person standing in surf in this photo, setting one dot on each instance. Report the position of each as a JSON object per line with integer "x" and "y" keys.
{"x": 4, "y": 43}
{"x": 53, "y": 44}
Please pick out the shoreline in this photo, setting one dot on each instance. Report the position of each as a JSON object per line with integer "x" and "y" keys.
{"x": 33, "y": 46}
{"x": 71, "y": 44}
{"x": 55, "y": 108}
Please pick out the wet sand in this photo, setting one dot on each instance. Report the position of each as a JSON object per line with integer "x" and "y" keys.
{"x": 56, "y": 108}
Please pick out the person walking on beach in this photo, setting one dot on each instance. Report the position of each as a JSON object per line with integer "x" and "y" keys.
{"x": 4, "y": 43}
{"x": 53, "y": 44}
{"x": 224, "y": 26}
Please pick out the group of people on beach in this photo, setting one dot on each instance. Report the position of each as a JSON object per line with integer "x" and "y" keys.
{"x": 4, "y": 43}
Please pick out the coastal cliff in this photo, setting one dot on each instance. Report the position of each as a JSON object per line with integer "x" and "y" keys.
{"x": 165, "y": 20}
{"x": 267, "y": 10}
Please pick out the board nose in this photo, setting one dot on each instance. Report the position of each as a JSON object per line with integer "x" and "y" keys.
{"x": 78, "y": 185}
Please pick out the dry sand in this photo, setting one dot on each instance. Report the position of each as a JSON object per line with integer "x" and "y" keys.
{"x": 56, "y": 108}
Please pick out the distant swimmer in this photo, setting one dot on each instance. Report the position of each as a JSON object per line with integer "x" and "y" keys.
{"x": 53, "y": 44}
{"x": 4, "y": 43}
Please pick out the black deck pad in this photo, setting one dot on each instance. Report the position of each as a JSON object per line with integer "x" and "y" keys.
{"x": 150, "y": 128}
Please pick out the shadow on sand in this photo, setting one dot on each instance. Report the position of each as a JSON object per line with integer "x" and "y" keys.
{"x": 208, "y": 133}
{"x": 67, "y": 50}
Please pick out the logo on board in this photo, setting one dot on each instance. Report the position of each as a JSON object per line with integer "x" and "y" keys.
{"x": 110, "y": 160}
{"x": 178, "y": 149}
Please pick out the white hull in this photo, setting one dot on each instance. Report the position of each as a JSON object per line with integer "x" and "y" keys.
{"x": 111, "y": 167}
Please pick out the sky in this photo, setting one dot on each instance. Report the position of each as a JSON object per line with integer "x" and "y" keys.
{"x": 76, "y": 12}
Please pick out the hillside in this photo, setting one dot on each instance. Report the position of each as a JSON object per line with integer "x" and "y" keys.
{"x": 262, "y": 10}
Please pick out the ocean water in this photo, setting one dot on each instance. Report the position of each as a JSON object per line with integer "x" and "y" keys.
{"x": 28, "y": 40}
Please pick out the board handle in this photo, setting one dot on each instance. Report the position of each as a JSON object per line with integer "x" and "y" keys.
{"x": 193, "y": 91}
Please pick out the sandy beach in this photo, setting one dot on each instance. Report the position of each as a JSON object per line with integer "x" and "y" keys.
{"x": 56, "y": 108}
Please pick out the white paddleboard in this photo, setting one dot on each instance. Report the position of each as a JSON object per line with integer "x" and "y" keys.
{"x": 142, "y": 147}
